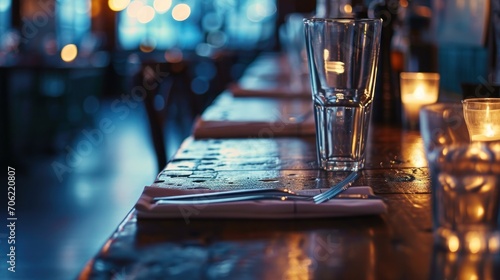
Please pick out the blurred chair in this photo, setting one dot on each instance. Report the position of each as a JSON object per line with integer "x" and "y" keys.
{"x": 172, "y": 97}
{"x": 167, "y": 87}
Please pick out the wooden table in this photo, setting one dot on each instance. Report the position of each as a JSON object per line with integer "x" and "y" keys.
{"x": 395, "y": 245}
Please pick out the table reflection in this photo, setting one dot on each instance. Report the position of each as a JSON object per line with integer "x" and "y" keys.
{"x": 447, "y": 265}
{"x": 273, "y": 249}
{"x": 330, "y": 254}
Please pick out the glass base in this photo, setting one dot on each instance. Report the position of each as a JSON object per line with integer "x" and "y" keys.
{"x": 472, "y": 241}
{"x": 341, "y": 165}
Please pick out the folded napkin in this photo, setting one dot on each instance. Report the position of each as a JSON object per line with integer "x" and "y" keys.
{"x": 236, "y": 129}
{"x": 232, "y": 116}
{"x": 264, "y": 90}
{"x": 259, "y": 209}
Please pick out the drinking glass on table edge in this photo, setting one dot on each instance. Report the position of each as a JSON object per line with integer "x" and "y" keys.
{"x": 465, "y": 181}
{"x": 342, "y": 58}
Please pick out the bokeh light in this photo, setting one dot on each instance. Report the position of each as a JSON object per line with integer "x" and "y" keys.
{"x": 211, "y": 22}
{"x": 203, "y": 49}
{"x": 199, "y": 85}
{"x": 69, "y": 52}
{"x": 205, "y": 70}
{"x": 118, "y": 5}
{"x": 475, "y": 242}
{"x": 84, "y": 8}
{"x": 4, "y": 5}
{"x": 148, "y": 45}
{"x": 181, "y": 12}
{"x": 217, "y": 39}
{"x": 95, "y": 8}
{"x": 174, "y": 55}
{"x": 145, "y": 14}
{"x": 206, "y": 25}
{"x": 161, "y": 6}
{"x": 260, "y": 10}
{"x": 133, "y": 8}
{"x": 50, "y": 44}
{"x": 453, "y": 244}
{"x": 347, "y": 9}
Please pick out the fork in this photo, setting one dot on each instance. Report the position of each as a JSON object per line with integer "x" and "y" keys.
{"x": 257, "y": 194}
{"x": 336, "y": 189}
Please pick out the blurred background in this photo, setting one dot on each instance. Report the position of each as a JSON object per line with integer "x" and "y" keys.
{"x": 89, "y": 88}
{"x": 62, "y": 59}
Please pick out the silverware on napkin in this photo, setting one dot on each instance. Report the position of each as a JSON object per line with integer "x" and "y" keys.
{"x": 269, "y": 194}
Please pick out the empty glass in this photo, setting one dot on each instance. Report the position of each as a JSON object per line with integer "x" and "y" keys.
{"x": 342, "y": 57}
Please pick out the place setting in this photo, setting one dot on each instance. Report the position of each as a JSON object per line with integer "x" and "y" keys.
{"x": 341, "y": 141}
{"x": 339, "y": 201}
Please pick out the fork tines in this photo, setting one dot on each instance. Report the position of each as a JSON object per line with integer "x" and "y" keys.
{"x": 336, "y": 189}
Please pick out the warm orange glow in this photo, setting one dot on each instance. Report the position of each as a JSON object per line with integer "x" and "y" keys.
{"x": 298, "y": 261}
{"x": 146, "y": 14}
{"x": 493, "y": 245}
{"x": 161, "y": 6}
{"x": 69, "y": 52}
{"x": 133, "y": 8}
{"x": 173, "y": 56}
{"x": 181, "y": 12}
{"x": 482, "y": 117}
{"x": 453, "y": 244}
{"x": 423, "y": 11}
{"x": 417, "y": 89}
{"x": 118, "y": 5}
{"x": 95, "y": 8}
{"x": 474, "y": 241}
{"x": 347, "y": 9}
{"x": 147, "y": 46}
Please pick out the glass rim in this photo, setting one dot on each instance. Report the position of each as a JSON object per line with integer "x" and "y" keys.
{"x": 481, "y": 100}
{"x": 342, "y": 20}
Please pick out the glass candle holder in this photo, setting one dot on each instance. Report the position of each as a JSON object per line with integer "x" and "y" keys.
{"x": 417, "y": 89}
{"x": 482, "y": 117}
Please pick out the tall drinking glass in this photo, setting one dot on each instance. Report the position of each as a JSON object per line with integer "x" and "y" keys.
{"x": 342, "y": 58}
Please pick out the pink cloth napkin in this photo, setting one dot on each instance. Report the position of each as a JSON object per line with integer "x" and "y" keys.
{"x": 230, "y": 116}
{"x": 260, "y": 209}
{"x": 266, "y": 91}
{"x": 235, "y": 129}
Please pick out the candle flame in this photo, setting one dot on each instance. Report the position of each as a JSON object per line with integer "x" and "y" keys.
{"x": 419, "y": 92}
{"x": 483, "y": 124}
{"x": 488, "y": 130}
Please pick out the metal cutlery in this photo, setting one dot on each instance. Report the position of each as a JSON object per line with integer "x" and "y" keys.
{"x": 259, "y": 194}
{"x": 336, "y": 189}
